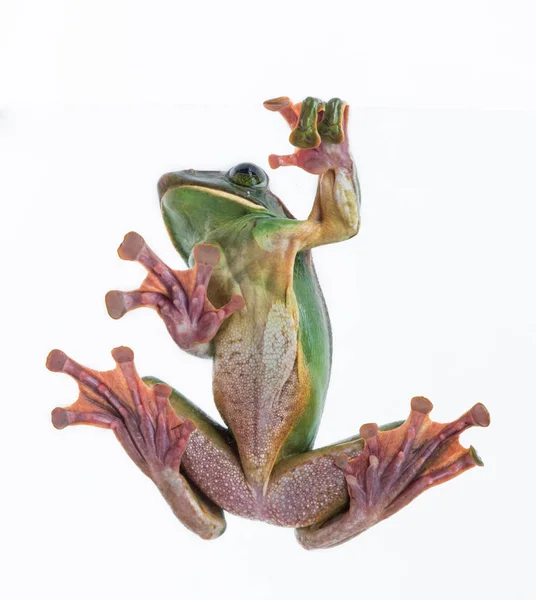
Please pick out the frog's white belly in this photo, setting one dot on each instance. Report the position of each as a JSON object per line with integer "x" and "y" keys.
{"x": 256, "y": 384}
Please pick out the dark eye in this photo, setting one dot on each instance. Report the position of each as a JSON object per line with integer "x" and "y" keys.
{"x": 248, "y": 175}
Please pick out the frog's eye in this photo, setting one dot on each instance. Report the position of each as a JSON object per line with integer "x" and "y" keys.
{"x": 248, "y": 175}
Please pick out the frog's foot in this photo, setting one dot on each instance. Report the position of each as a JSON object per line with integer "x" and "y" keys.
{"x": 141, "y": 417}
{"x": 179, "y": 297}
{"x": 397, "y": 465}
{"x": 147, "y": 427}
{"x": 319, "y": 133}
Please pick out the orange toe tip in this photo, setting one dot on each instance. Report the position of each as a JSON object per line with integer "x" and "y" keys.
{"x": 162, "y": 390}
{"x": 56, "y": 360}
{"x": 115, "y": 304}
{"x": 238, "y": 302}
{"x": 273, "y": 161}
{"x": 131, "y": 246}
{"x": 481, "y": 415}
{"x": 188, "y": 426}
{"x": 276, "y": 104}
{"x": 341, "y": 461}
{"x": 207, "y": 254}
{"x": 123, "y": 354}
{"x": 421, "y": 404}
{"x": 59, "y": 418}
{"x": 368, "y": 431}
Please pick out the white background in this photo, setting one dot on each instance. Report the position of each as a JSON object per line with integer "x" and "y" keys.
{"x": 436, "y": 296}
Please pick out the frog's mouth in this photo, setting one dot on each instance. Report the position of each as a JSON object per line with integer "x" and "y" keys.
{"x": 219, "y": 183}
{"x": 226, "y": 195}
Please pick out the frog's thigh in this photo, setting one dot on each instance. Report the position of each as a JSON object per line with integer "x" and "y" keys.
{"x": 309, "y": 488}
{"x": 210, "y": 461}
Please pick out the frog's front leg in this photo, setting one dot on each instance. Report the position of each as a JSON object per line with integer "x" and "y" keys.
{"x": 320, "y": 135}
{"x": 179, "y": 297}
{"x": 165, "y": 446}
{"x": 336, "y": 493}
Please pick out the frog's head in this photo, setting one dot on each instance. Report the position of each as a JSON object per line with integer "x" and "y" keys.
{"x": 245, "y": 183}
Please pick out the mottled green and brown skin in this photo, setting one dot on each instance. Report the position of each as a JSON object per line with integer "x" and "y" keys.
{"x": 271, "y": 346}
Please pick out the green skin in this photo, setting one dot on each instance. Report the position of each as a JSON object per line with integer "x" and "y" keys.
{"x": 271, "y": 346}
{"x": 194, "y": 213}
{"x": 194, "y": 217}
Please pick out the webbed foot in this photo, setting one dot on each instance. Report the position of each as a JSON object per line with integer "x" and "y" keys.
{"x": 395, "y": 466}
{"x": 151, "y": 433}
{"x": 319, "y": 132}
{"x": 179, "y": 297}
{"x": 145, "y": 424}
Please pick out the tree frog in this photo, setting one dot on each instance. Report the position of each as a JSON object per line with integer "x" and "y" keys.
{"x": 250, "y": 300}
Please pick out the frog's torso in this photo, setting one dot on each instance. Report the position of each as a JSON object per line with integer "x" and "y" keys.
{"x": 269, "y": 381}
{"x": 270, "y": 372}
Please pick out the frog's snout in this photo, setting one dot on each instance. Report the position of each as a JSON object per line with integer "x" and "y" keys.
{"x": 168, "y": 181}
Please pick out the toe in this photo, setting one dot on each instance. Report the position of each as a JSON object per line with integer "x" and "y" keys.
{"x": 131, "y": 246}
{"x": 480, "y": 415}
{"x": 331, "y": 126}
{"x": 115, "y": 304}
{"x": 421, "y": 405}
{"x": 56, "y": 361}
{"x": 276, "y": 104}
{"x": 306, "y": 135}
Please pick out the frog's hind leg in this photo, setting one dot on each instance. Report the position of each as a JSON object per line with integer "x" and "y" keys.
{"x": 179, "y": 297}
{"x": 342, "y": 490}
{"x": 166, "y": 436}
